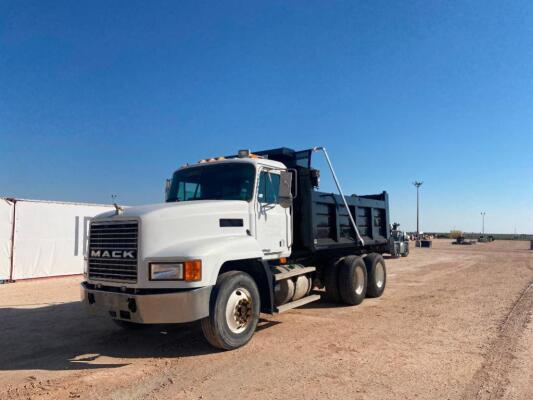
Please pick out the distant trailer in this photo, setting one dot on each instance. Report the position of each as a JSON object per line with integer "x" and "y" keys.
{"x": 424, "y": 243}
{"x": 461, "y": 240}
{"x": 41, "y": 239}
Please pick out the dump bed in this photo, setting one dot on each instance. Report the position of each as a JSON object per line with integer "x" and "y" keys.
{"x": 331, "y": 224}
{"x": 321, "y": 221}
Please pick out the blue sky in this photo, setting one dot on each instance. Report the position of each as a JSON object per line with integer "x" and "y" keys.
{"x": 101, "y": 98}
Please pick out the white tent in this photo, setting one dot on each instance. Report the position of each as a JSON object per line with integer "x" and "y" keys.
{"x": 6, "y": 231}
{"x": 47, "y": 238}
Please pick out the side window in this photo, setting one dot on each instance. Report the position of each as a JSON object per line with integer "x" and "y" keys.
{"x": 273, "y": 188}
{"x": 268, "y": 188}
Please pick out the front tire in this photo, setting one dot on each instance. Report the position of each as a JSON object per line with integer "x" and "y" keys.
{"x": 377, "y": 274}
{"x": 352, "y": 280}
{"x": 233, "y": 311}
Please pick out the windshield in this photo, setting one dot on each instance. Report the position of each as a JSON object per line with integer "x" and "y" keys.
{"x": 231, "y": 181}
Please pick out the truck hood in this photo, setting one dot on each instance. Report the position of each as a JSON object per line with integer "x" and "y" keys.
{"x": 175, "y": 229}
{"x": 166, "y": 208}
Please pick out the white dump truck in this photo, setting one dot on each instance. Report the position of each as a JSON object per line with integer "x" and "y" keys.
{"x": 237, "y": 236}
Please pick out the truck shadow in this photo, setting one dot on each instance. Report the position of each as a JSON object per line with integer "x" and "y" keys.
{"x": 63, "y": 337}
{"x": 322, "y": 303}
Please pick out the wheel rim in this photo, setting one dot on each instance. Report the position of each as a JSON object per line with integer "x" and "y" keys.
{"x": 239, "y": 310}
{"x": 359, "y": 280}
{"x": 380, "y": 275}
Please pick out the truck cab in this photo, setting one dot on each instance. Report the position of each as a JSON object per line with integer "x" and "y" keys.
{"x": 247, "y": 187}
{"x": 224, "y": 247}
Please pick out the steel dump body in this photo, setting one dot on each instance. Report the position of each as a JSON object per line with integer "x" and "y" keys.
{"x": 332, "y": 227}
{"x": 321, "y": 221}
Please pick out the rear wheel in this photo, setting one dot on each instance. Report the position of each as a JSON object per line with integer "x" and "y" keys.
{"x": 233, "y": 311}
{"x": 352, "y": 280}
{"x": 377, "y": 274}
{"x": 331, "y": 281}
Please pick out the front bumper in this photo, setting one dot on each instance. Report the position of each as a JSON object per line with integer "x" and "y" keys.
{"x": 159, "y": 308}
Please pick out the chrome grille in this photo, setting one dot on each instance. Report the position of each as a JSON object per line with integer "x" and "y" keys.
{"x": 113, "y": 251}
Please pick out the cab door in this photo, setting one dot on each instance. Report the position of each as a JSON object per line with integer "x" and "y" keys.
{"x": 272, "y": 227}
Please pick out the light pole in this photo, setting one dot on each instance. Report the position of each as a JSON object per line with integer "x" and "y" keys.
{"x": 483, "y": 222}
{"x": 417, "y": 184}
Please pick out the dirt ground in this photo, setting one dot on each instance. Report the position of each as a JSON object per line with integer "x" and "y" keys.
{"x": 455, "y": 322}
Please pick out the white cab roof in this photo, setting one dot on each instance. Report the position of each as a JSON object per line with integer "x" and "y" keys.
{"x": 255, "y": 161}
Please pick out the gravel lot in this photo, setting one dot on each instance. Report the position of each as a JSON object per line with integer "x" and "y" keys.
{"x": 454, "y": 323}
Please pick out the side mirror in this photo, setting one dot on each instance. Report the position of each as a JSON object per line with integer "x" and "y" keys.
{"x": 168, "y": 182}
{"x": 285, "y": 189}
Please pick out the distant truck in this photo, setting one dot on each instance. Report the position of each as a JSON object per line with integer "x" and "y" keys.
{"x": 399, "y": 242}
{"x": 237, "y": 236}
{"x": 462, "y": 241}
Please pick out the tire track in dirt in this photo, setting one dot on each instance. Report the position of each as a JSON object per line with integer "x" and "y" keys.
{"x": 492, "y": 378}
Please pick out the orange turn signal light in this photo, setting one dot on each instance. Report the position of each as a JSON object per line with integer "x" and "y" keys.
{"x": 283, "y": 260}
{"x": 192, "y": 270}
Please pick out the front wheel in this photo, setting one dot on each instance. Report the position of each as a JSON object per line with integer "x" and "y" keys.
{"x": 233, "y": 311}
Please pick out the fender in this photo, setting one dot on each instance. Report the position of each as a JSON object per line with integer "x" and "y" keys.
{"x": 213, "y": 251}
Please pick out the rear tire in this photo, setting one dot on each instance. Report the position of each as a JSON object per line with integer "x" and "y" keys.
{"x": 331, "y": 281}
{"x": 233, "y": 311}
{"x": 352, "y": 280}
{"x": 377, "y": 275}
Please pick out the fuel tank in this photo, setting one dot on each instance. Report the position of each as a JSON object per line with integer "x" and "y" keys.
{"x": 291, "y": 289}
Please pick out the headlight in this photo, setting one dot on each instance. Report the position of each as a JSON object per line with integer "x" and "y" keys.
{"x": 190, "y": 270}
{"x": 166, "y": 272}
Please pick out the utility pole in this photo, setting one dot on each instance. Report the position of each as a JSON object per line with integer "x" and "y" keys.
{"x": 483, "y": 222}
{"x": 417, "y": 184}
